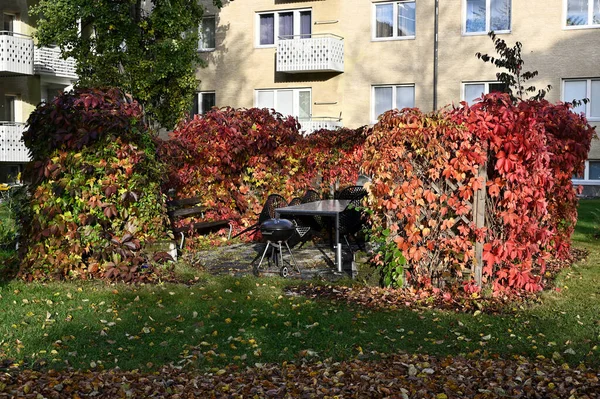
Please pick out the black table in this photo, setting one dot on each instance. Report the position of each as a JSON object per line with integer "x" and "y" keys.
{"x": 331, "y": 208}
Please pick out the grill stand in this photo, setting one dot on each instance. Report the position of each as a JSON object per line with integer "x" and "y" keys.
{"x": 283, "y": 269}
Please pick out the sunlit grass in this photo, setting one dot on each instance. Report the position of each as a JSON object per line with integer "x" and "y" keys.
{"x": 224, "y": 320}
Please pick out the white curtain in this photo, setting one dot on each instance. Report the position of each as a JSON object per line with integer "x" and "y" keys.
{"x": 383, "y": 100}
{"x": 305, "y": 24}
{"x": 595, "y": 99}
{"x": 265, "y": 99}
{"x": 286, "y": 25}
{"x": 576, "y": 90}
{"x": 267, "y": 29}
{"x": 405, "y": 97}
{"x": 285, "y": 102}
{"x": 473, "y": 91}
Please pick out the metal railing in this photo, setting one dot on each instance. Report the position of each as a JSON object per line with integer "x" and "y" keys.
{"x": 313, "y": 124}
{"x": 16, "y": 53}
{"x": 12, "y": 148}
{"x": 49, "y": 61}
{"x": 310, "y": 53}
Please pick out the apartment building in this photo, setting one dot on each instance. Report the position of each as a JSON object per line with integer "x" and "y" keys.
{"x": 28, "y": 75}
{"x": 335, "y": 63}
{"x": 343, "y": 62}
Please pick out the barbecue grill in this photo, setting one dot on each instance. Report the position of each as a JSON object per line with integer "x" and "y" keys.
{"x": 278, "y": 232}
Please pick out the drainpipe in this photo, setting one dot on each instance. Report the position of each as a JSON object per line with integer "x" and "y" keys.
{"x": 435, "y": 53}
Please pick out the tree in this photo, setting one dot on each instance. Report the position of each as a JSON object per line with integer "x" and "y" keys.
{"x": 148, "y": 50}
{"x": 515, "y": 79}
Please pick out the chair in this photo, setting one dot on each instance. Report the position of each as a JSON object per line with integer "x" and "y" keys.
{"x": 351, "y": 219}
{"x": 351, "y": 193}
{"x": 310, "y": 196}
{"x": 295, "y": 201}
{"x": 316, "y": 223}
{"x": 268, "y": 212}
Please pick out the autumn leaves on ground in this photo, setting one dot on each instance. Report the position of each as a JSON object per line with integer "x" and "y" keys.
{"x": 257, "y": 337}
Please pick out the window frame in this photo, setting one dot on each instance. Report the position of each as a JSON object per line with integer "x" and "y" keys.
{"x": 488, "y": 17}
{"x": 586, "y": 181}
{"x": 200, "y": 35}
{"x": 374, "y": 37}
{"x": 486, "y": 83}
{"x": 199, "y": 98}
{"x": 394, "y": 96}
{"x": 296, "y": 98}
{"x": 12, "y": 116}
{"x": 296, "y": 12}
{"x": 590, "y": 17}
{"x": 588, "y": 95}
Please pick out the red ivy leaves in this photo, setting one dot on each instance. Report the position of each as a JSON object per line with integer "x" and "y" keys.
{"x": 233, "y": 159}
{"x": 425, "y": 169}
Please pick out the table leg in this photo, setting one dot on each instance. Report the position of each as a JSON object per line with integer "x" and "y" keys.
{"x": 338, "y": 248}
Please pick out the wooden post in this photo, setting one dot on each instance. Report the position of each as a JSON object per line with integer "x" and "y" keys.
{"x": 479, "y": 219}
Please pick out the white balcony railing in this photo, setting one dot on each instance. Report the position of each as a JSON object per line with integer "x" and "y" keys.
{"x": 309, "y": 126}
{"x": 310, "y": 53}
{"x": 12, "y": 149}
{"x": 48, "y": 61}
{"x": 16, "y": 54}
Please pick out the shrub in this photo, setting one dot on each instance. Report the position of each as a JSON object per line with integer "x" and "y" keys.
{"x": 424, "y": 170}
{"x": 234, "y": 158}
{"x": 427, "y": 168}
{"x": 94, "y": 197}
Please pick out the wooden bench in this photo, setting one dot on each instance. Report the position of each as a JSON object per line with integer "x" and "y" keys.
{"x": 188, "y": 207}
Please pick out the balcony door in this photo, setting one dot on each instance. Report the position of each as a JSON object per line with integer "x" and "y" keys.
{"x": 282, "y": 25}
{"x": 295, "y": 102}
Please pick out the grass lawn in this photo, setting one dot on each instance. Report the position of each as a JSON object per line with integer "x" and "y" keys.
{"x": 224, "y": 320}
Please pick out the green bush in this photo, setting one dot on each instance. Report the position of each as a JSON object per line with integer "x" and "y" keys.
{"x": 94, "y": 197}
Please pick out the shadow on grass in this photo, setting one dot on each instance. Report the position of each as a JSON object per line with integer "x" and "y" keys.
{"x": 248, "y": 320}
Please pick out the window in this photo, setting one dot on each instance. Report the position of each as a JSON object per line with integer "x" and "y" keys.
{"x": 9, "y": 108}
{"x": 591, "y": 172}
{"x": 593, "y": 169}
{"x": 390, "y": 97}
{"x": 582, "y": 13}
{"x": 203, "y": 102}
{"x": 395, "y": 20}
{"x": 579, "y": 89}
{"x": 473, "y": 91}
{"x": 9, "y": 22}
{"x": 274, "y": 26}
{"x": 295, "y": 102}
{"x": 206, "y": 34}
{"x": 483, "y": 16}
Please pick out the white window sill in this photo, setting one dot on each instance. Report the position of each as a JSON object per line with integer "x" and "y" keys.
{"x": 500, "y": 32}
{"x": 586, "y": 182}
{"x": 580, "y": 27}
{"x": 389, "y": 39}
{"x": 265, "y": 45}
{"x": 206, "y": 50}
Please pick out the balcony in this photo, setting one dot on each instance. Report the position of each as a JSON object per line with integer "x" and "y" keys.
{"x": 309, "y": 126}
{"x": 12, "y": 148}
{"x": 16, "y": 54}
{"x": 310, "y": 53}
{"x": 48, "y": 61}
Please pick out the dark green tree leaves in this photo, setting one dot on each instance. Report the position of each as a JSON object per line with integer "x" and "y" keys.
{"x": 146, "y": 48}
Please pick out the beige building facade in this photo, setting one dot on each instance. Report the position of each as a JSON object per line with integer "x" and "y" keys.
{"x": 334, "y": 63}
{"x": 343, "y": 62}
